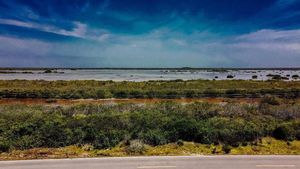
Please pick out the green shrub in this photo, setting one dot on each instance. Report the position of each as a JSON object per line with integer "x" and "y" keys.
{"x": 101, "y": 94}
{"x": 107, "y": 139}
{"x": 284, "y": 132}
{"x": 154, "y": 137}
{"x": 121, "y": 94}
{"x": 190, "y": 94}
{"x": 185, "y": 129}
{"x": 106, "y": 125}
{"x": 4, "y": 146}
{"x": 26, "y": 142}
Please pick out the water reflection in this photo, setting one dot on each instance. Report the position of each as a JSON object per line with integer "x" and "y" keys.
{"x": 145, "y": 75}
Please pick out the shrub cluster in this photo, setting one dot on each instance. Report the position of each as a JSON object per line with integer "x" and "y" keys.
{"x": 105, "y": 126}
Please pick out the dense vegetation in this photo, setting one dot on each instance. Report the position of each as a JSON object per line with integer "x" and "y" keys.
{"x": 150, "y": 89}
{"x": 104, "y": 126}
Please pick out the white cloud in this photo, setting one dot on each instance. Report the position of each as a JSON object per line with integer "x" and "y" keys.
{"x": 23, "y": 52}
{"x": 264, "y": 48}
{"x": 15, "y": 46}
{"x": 16, "y": 23}
{"x": 271, "y": 40}
{"x": 271, "y": 35}
{"x": 80, "y": 30}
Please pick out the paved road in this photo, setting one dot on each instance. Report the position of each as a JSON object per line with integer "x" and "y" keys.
{"x": 196, "y": 162}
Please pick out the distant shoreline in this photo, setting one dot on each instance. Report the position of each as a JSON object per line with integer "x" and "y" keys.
{"x": 166, "y": 68}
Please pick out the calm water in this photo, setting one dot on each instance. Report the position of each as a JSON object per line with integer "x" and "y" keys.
{"x": 143, "y": 75}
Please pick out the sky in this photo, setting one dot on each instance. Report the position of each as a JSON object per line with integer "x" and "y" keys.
{"x": 150, "y": 33}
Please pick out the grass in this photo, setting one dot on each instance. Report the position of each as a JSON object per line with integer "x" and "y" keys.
{"x": 190, "y": 84}
{"x": 267, "y": 146}
{"x": 149, "y": 89}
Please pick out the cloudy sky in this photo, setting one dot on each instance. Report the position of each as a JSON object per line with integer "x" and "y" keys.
{"x": 149, "y": 33}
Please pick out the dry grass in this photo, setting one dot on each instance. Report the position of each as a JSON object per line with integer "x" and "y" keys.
{"x": 270, "y": 146}
{"x": 266, "y": 146}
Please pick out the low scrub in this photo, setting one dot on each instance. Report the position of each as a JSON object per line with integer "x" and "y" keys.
{"x": 151, "y": 89}
{"x": 105, "y": 126}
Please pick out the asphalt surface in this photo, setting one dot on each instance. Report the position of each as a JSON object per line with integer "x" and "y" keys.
{"x": 194, "y": 162}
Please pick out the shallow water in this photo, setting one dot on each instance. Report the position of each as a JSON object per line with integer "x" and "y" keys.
{"x": 143, "y": 75}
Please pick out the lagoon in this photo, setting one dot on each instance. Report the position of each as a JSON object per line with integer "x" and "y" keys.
{"x": 145, "y": 74}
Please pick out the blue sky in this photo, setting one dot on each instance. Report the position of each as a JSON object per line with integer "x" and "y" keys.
{"x": 150, "y": 33}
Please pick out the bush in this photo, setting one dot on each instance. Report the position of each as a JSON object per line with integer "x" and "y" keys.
{"x": 226, "y": 148}
{"x": 136, "y": 94}
{"x": 272, "y": 100}
{"x": 183, "y": 129}
{"x": 107, "y": 139}
{"x": 298, "y": 135}
{"x": 180, "y": 143}
{"x": 105, "y": 125}
{"x": 87, "y": 147}
{"x": 121, "y": 94}
{"x": 53, "y": 133}
{"x": 190, "y": 94}
{"x": 4, "y": 146}
{"x": 102, "y": 94}
{"x": 284, "y": 132}
{"x": 26, "y": 142}
{"x": 244, "y": 143}
{"x": 154, "y": 137}
{"x": 228, "y": 131}
{"x": 214, "y": 150}
{"x": 136, "y": 147}
{"x": 232, "y": 92}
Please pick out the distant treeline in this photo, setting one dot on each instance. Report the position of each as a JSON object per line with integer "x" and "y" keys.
{"x": 105, "y": 126}
{"x": 149, "y": 89}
